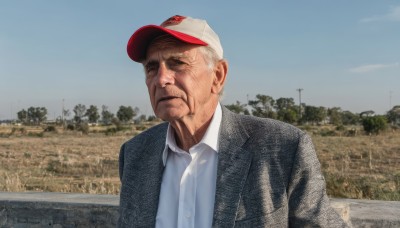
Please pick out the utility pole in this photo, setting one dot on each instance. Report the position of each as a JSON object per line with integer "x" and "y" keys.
{"x": 299, "y": 90}
{"x": 62, "y": 114}
{"x": 11, "y": 111}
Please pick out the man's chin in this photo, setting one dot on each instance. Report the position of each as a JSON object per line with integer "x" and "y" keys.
{"x": 171, "y": 116}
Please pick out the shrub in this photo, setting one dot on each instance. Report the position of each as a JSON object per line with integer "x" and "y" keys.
{"x": 141, "y": 127}
{"x": 36, "y": 134}
{"x": 111, "y": 131}
{"x": 70, "y": 127}
{"x": 151, "y": 118}
{"x": 22, "y": 130}
{"x": 117, "y": 124}
{"x": 83, "y": 127}
{"x": 374, "y": 124}
{"x": 50, "y": 129}
{"x": 326, "y": 132}
{"x": 306, "y": 127}
{"x": 27, "y": 154}
{"x": 340, "y": 128}
{"x": 53, "y": 166}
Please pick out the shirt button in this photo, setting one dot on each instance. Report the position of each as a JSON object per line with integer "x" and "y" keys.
{"x": 188, "y": 215}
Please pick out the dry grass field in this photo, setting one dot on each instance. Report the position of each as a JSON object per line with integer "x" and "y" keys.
{"x": 361, "y": 167}
{"x": 60, "y": 162}
{"x": 32, "y": 160}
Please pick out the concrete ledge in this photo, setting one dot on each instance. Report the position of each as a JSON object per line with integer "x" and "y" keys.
{"x": 22, "y": 210}
{"x": 372, "y": 213}
{"x": 33, "y": 209}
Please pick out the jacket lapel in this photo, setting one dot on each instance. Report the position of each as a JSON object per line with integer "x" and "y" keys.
{"x": 233, "y": 166}
{"x": 144, "y": 183}
{"x": 151, "y": 184}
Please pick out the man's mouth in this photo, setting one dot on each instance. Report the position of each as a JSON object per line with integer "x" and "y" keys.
{"x": 166, "y": 98}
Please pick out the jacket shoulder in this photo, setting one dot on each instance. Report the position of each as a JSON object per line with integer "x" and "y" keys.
{"x": 270, "y": 128}
{"x": 155, "y": 132}
{"x": 142, "y": 148}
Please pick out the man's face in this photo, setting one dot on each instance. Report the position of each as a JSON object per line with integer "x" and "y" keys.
{"x": 178, "y": 79}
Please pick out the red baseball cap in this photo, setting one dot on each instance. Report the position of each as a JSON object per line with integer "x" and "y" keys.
{"x": 186, "y": 29}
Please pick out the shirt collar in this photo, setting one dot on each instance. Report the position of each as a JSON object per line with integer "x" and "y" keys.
{"x": 210, "y": 138}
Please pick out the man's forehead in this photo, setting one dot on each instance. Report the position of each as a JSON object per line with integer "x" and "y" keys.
{"x": 175, "y": 51}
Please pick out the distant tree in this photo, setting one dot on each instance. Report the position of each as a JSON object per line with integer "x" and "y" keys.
{"x": 117, "y": 123}
{"x": 31, "y": 115}
{"x": 63, "y": 119}
{"x": 288, "y": 116}
{"x": 126, "y": 113}
{"x": 263, "y": 106}
{"x": 286, "y": 110}
{"x": 106, "y": 116}
{"x": 322, "y": 114}
{"x": 393, "y": 115}
{"x": 374, "y": 124}
{"x": 36, "y": 115}
{"x": 23, "y": 116}
{"x": 284, "y": 103}
{"x": 314, "y": 114}
{"x": 349, "y": 118}
{"x": 151, "y": 118}
{"x": 310, "y": 113}
{"x": 238, "y": 108}
{"x": 367, "y": 113}
{"x": 79, "y": 111}
{"x": 92, "y": 114}
{"x": 66, "y": 113}
{"x": 140, "y": 119}
{"x": 335, "y": 116}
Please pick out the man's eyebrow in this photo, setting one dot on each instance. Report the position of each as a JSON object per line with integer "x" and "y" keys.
{"x": 175, "y": 56}
{"x": 150, "y": 62}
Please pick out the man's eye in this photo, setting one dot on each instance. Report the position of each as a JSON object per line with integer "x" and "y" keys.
{"x": 150, "y": 68}
{"x": 176, "y": 63}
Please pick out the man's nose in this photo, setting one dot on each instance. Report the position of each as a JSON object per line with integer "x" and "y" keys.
{"x": 164, "y": 76}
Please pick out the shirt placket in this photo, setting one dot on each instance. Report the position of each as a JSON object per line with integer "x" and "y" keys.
{"x": 187, "y": 195}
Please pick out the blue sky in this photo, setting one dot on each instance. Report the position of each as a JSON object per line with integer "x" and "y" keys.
{"x": 342, "y": 53}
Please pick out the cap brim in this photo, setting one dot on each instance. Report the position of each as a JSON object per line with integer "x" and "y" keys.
{"x": 137, "y": 44}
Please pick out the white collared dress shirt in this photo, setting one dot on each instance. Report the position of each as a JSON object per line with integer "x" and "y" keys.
{"x": 188, "y": 184}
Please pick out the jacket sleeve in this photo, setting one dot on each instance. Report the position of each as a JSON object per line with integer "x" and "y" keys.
{"x": 308, "y": 203}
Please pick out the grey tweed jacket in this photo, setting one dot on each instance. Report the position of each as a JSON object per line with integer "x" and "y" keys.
{"x": 268, "y": 176}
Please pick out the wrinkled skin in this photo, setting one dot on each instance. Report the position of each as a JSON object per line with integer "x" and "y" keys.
{"x": 183, "y": 88}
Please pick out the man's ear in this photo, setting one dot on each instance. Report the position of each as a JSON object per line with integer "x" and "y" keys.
{"x": 220, "y": 72}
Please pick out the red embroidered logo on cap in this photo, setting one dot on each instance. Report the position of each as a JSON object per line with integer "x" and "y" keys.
{"x": 174, "y": 20}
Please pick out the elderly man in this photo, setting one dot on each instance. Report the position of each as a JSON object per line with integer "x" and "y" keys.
{"x": 206, "y": 166}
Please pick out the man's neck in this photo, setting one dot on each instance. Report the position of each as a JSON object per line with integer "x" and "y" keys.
{"x": 190, "y": 130}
